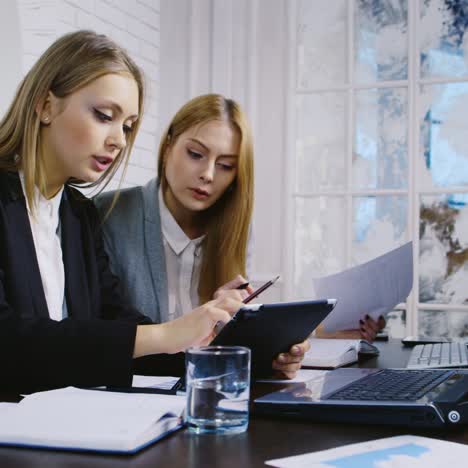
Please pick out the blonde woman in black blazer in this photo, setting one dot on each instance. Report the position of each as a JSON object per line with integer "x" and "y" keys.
{"x": 73, "y": 121}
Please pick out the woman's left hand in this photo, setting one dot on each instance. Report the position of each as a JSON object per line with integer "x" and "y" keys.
{"x": 370, "y": 327}
{"x": 287, "y": 364}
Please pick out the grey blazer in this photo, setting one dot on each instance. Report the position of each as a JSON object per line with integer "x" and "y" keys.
{"x": 134, "y": 242}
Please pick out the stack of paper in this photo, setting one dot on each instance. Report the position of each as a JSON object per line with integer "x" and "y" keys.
{"x": 333, "y": 353}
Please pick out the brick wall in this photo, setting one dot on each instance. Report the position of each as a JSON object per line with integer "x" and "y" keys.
{"x": 135, "y": 25}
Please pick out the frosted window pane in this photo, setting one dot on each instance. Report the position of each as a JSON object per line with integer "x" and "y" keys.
{"x": 319, "y": 240}
{"x": 396, "y": 323}
{"x": 443, "y": 160}
{"x": 321, "y": 142}
{"x": 380, "y": 139}
{"x": 379, "y": 225}
{"x": 443, "y": 43}
{"x": 447, "y": 323}
{"x": 321, "y": 43}
{"x": 443, "y": 249}
{"x": 381, "y": 40}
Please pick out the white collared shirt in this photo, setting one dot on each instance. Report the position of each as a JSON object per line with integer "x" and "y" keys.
{"x": 45, "y": 231}
{"x": 183, "y": 263}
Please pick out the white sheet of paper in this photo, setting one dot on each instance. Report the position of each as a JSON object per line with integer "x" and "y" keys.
{"x": 7, "y": 406}
{"x": 391, "y": 452}
{"x": 303, "y": 375}
{"x": 373, "y": 288}
{"x": 153, "y": 381}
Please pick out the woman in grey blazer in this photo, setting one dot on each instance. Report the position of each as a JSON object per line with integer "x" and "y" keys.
{"x": 63, "y": 319}
{"x": 180, "y": 239}
{"x": 134, "y": 242}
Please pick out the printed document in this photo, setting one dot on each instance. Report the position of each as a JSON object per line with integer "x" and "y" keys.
{"x": 392, "y": 452}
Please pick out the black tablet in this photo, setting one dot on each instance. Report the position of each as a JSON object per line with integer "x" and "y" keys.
{"x": 270, "y": 329}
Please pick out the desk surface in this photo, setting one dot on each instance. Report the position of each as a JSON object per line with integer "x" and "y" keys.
{"x": 265, "y": 439}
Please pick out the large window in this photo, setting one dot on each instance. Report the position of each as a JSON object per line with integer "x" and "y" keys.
{"x": 380, "y": 138}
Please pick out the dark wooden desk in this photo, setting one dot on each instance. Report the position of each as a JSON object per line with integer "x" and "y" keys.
{"x": 265, "y": 439}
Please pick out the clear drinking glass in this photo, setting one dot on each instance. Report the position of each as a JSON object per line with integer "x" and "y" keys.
{"x": 218, "y": 389}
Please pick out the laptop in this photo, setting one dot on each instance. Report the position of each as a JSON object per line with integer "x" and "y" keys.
{"x": 417, "y": 398}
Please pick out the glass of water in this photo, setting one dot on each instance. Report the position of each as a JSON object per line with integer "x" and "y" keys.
{"x": 218, "y": 389}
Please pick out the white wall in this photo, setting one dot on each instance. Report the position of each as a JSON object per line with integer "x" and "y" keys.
{"x": 29, "y": 27}
{"x": 11, "y": 55}
{"x": 237, "y": 48}
{"x": 234, "y": 47}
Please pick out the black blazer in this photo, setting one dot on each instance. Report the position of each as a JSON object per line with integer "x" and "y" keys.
{"x": 94, "y": 345}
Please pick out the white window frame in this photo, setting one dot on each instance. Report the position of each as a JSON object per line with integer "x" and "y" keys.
{"x": 413, "y": 191}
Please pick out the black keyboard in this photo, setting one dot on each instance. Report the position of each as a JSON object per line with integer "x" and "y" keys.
{"x": 392, "y": 385}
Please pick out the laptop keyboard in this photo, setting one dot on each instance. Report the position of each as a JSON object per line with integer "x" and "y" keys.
{"x": 392, "y": 385}
{"x": 438, "y": 355}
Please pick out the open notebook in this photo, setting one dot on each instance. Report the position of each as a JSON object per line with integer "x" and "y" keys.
{"x": 90, "y": 420}
{"x": 333, "y": 353}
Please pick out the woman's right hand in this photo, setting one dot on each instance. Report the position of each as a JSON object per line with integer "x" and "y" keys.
{"x": 197, "y": 328}
{"x": 233, "y": 285}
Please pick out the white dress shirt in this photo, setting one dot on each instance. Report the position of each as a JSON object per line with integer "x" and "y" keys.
{"x": 45, "y": 227}
{"x": 183, "y": 262}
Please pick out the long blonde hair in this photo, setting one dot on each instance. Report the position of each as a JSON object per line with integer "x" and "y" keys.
{"x": 70, "y": 63}
{"x": 228, "y": 221}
